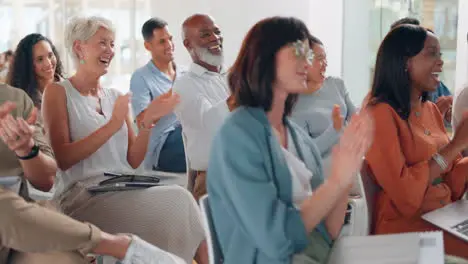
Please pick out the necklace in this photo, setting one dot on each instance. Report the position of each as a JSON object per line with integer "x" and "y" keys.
{"x": 427, "y": 132}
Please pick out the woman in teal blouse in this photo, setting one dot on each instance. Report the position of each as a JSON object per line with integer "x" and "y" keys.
{"x": 269, "y": 201}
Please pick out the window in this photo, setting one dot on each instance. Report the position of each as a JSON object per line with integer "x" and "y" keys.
{"x": 439, "y": 15}
{"x": 49, "y": 17}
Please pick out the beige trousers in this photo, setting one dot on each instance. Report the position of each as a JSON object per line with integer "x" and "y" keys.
{"x": 46, "y": 235}
{"x": 165, "y": 216}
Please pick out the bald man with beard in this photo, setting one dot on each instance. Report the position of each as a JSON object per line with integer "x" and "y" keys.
{"x": 204, "y": 93}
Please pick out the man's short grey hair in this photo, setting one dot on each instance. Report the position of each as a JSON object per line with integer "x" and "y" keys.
{"x": 83, "y": 28}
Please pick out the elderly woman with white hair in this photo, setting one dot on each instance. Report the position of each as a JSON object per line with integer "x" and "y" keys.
{"x": 91, "y": 133}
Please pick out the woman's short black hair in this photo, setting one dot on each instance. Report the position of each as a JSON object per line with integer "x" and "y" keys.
{"x": 392, "y": 83}
{"x": 252, "y": 76}
{"x": 405, "y": 21}
{"x": 22, "y": 74}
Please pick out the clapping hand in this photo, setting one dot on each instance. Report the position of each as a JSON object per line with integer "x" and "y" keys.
{"x": 17, "y": 133}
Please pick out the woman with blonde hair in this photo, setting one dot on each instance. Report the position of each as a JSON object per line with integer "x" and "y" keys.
{"x": 91, "y": 133}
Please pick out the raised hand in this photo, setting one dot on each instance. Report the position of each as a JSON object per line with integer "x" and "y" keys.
{"x": 444, "y": 103}
{"x": 159, "y": 107}
{"x": 348, "y": 155}
{"x": 337, "y": 118}
{"x": 17, "y": 134}
{"x": 6, "y": 108}
{"x": 121, "y": 109}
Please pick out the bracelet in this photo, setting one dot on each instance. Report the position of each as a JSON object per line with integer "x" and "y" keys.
{"x": 144, "y": 126}
{"x": 34, "y": 152}
{"x": 437, "y": 181}
{"x": 440, "y": 161}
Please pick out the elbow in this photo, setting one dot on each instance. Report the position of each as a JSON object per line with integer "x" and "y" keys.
{"x": 63, "y": 165}
{"x": 134, "y": 163}
{"x": 44, "y": 185}
{"x": 334, "y": 230}
{"x": 334, "y": 225}
{"x": 409, "y": 209}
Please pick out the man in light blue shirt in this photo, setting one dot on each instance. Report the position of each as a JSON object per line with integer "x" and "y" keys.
{"x": 166, "y": 149}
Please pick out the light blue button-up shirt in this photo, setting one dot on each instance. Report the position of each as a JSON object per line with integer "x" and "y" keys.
{"x": 146, "y": 84}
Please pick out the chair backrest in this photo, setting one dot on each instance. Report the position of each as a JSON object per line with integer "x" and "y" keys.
{"x": 190, "y": 174}
{"x": 215, "y": 254}
{"x": 371, "y": 189}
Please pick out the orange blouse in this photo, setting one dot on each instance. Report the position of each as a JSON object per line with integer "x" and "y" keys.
{"x": 399, "y": 160}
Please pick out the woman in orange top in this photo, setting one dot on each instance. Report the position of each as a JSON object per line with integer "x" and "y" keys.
{"x": 412, "y": 159}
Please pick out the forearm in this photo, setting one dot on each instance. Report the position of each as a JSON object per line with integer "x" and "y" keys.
{"x": 450, "y": 153}
{"x": 70, "y": 154}
{"x": 335, "y": 220}
{"x": 40, "y": 171}
{"x": 138, "y": 148}
{"x": 321, "y": 203}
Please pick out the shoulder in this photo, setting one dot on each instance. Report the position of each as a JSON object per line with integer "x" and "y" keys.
{"x": 334, "y": 80}
{"x": 383, "y": 115}
{"x": 243, "y": 117}
{"x": 241, "y": 124}
{"x": 19, "y": 97}
{"x": 185, "y": 84}
{"x": 462, "y": 98}
{"x": 9, "y": 93}
{"x": 140, "y": 72}
{"x": 336, "y": 83}
{"x": 55, "y": 90}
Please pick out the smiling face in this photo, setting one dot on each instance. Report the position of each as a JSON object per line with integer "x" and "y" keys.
{"x": 97, "y": 52}
{"x": 292, "y": 63}
{"x": 161, "y": 45}
{"x": 317, "y": 71}
{"x": 44, "y": 61}
{"x": 204, "y": 41}
{"x": 425, "y": 67}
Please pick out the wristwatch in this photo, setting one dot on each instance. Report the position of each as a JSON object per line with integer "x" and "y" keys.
{"x": 34, "y": 152}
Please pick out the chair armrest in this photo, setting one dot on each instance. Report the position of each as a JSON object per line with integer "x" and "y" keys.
{"x": 358, "y": 218}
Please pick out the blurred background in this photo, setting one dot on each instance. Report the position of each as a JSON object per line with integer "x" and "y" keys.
{"x": 350, "y": 29}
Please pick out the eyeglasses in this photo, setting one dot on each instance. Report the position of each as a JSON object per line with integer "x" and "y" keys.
{"x": 302, "y": 51}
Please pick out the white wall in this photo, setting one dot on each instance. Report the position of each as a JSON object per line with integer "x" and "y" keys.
{"x": 343, "y": 26}
{"x": 461, "y": 77}
{"x": 356, "y": 52}
{"x": 235, "y": 18}
{"x": 326, "y": 22}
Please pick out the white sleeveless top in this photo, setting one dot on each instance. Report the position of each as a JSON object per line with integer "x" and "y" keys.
{"x": 83, "y": 119}
{"x": 300, "y": 174}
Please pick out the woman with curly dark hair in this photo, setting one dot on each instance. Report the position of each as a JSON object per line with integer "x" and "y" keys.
{"x": 35, "y": 65}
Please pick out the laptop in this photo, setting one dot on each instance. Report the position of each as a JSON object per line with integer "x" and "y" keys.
{"x": 452, "y": 218}
{"x": 124, "y": 182}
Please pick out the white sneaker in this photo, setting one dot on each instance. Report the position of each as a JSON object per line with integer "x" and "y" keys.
{"x": 142, "y": 252}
